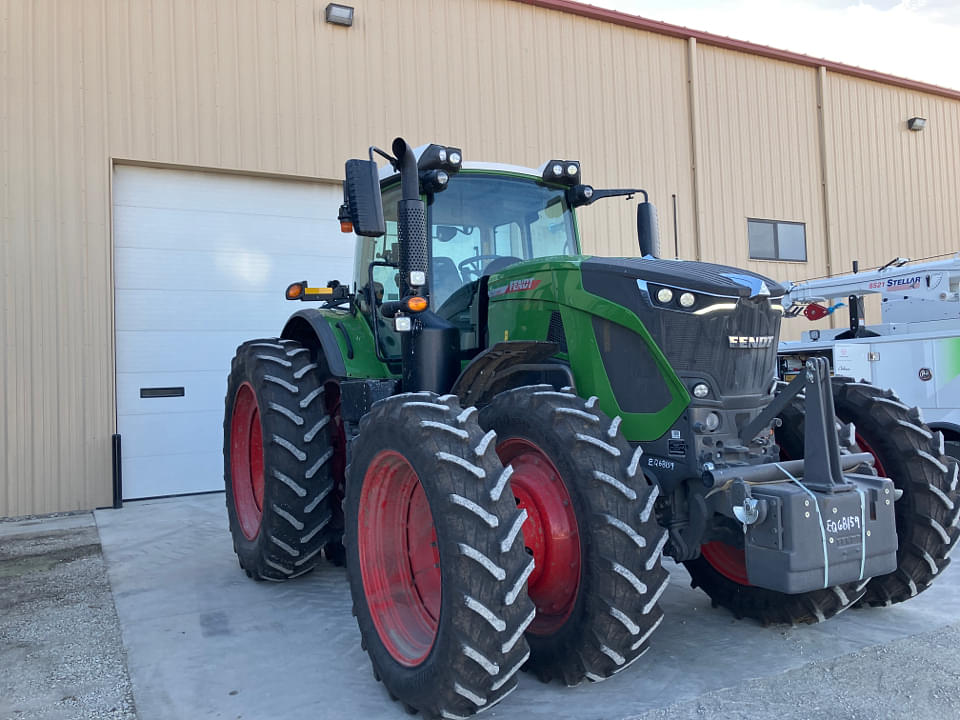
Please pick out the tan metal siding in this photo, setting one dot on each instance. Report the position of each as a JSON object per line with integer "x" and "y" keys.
{"x": 759, "y": 156}
{"x": 894, "y": 192}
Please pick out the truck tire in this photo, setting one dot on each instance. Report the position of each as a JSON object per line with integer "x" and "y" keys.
{"x": 721, "y": 570}
{"x": 437, "y": 573}
{"x": 277, "y": 449}
{"x": 589, "y": 525}
{"x": 907, "y": 452}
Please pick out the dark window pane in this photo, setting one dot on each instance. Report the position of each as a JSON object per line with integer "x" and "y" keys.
{"x": 760, "y": 235}
{"x": 792, "y": 241}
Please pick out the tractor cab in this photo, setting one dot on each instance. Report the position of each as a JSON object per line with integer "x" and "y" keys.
{"x": 482, "y": 220}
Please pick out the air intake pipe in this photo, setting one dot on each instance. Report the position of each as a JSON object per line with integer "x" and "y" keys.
{"x": 431, "y": 349}
{"x": 411, "y": 219}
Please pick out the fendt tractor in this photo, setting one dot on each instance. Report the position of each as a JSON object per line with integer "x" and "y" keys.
{"x": 501, "y": 437}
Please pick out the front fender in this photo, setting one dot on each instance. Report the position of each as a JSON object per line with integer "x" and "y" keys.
{"x": 342, "y": 339}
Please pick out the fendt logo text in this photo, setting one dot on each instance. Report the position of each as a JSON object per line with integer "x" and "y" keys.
{"x": 751, "y": 341}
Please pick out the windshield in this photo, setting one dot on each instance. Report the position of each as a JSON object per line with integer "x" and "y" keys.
{"x": 483, "y": 223}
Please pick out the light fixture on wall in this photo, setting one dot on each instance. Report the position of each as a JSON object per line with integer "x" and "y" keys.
{"x": 916, "y": 123}
{"x": 339, "y": 14}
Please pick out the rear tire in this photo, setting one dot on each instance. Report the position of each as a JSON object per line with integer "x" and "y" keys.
{"x": 437, "y": 572}
{"x": 575, "y": 475}
{"x": 277, "y": 453}
{"x": 911, "y": 455}
{"x": 721, "y": 573}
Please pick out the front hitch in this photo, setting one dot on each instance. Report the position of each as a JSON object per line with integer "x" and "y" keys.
{"x": 821, "y": 447}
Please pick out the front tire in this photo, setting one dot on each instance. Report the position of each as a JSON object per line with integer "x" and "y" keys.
{"x": 907, "y": 452}
{"x": 590, "y": 527}
{"x": 277, "y": 452}
{"x": 437, "y": 570}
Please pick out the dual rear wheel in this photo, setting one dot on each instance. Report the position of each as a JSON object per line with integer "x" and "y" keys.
{"x": 477, "y": 544}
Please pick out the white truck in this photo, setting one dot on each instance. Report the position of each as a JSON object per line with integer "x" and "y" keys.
{"x": 915, "y": 350}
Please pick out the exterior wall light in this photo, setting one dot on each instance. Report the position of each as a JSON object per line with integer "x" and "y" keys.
{"x": 916, "y": 123}
{"x": 339, "y": 14}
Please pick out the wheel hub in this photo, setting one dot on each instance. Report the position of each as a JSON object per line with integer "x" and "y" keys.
{"x": 399, "y": 558}
{"x": 246, "y": 460}
{"x": 729, "y": 561}
{"x": 550, "y": 532}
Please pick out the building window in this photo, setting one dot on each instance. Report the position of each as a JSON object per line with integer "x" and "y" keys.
{"x": 775, "y": 240}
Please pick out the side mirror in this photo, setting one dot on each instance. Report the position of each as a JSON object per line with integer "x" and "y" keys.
{"x": 361, "y": 196}
{"x": 648, "y": 229}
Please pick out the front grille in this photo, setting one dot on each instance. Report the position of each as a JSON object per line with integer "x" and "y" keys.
{"x": 698, "y": 344}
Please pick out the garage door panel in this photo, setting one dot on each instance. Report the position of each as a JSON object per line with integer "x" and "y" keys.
{"x": 218, "y": 192}
{"x": 203, "y": 390}
{"x": 153, "y": 352}
{"x": 201, "y": 261}
{"x": 177, "y": 474}
{"x": 158, "y": 310}
{"x": 174, "y": 229}
{"x": 146, "y": 269}
{"x": 154, "y": 435}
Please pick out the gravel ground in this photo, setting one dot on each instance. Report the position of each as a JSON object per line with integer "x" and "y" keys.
{"x": 60, "y": 648}
{"x": 916, "y": 677}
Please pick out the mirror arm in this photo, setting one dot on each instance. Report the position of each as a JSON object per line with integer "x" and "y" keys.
{"x": 385, "y": 155}
{"x": 628, "y": 193}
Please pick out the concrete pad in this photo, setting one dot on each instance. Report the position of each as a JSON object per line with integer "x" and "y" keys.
{"x": 205, "y": 641}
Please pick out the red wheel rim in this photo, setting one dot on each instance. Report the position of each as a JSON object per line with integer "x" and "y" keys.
{"x": 865, "y": 446}
{"x": 399, "y": 560}
{"x": 729, "y": 561}
{"x": 246, "y": 460}
{"x": 550, "y": 532}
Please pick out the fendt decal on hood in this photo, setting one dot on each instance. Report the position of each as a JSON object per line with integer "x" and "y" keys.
{"x": 750, "y": 341}
{"x": 513, "y": 286}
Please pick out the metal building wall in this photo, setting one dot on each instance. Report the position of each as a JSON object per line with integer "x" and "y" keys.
{"x": 758, "y": 156}
{"x": 893, "y": 192}
{"x": 267, "y": 87}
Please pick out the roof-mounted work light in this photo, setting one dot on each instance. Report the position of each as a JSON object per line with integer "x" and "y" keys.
{"x": 436, "y": 165}
{"x": 562, "y": 172}
{"x": 438, "y": 157}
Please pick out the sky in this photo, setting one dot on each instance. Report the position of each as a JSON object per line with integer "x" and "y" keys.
{"x": 915, "y": 39}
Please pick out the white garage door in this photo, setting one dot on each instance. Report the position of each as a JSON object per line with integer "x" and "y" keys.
{"x": 202, "y": 260}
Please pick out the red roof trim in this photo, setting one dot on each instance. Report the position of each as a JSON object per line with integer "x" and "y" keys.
{"x": 634, "y": 21}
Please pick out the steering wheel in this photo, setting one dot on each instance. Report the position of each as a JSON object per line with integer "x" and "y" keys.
{"x": 474, "y": 266}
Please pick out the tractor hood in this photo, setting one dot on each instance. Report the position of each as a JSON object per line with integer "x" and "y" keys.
{"x": 687, "y": 275}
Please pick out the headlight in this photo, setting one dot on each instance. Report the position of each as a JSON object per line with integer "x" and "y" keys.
{"x": 664, "y": 295}
{"x": 687, "y": 300}
{"x": 700, "y": 390}
{"x": 572, "y": 169}
{"x": 557, "y": 170}
{"x": 442, "y": 155}
{"x": 455, "y": 158}
{"x": 712, "y": 422}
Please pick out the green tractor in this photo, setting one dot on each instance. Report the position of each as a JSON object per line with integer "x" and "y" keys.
{"x": 501, "y": 437}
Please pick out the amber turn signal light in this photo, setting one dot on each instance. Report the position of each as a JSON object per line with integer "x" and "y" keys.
{"x": 417, "y": 304}
{"x": 295, "y": 291}
{"x": 346, "y": 226}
